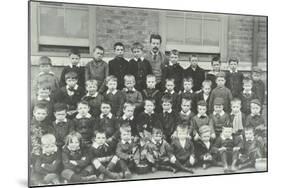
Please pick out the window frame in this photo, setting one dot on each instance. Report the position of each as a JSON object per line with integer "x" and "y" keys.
{"x": 221, "y": 49}
{"x": 37, "y": 40}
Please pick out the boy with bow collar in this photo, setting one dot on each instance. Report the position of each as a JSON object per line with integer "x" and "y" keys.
{"x": 70, "y": 94}
{"x": 103, "y": 156}
{"x": 46, "y": 76}
{"x": 84, "y": 123}
{"x": 251, "y": 150}
{"x": 201, "y": 119}
{"x": 119, "y": 66}
{"x": 139, "y": 66}
{"x": 228, "y": 146}
{"x": 62, "y": 126}
{"x": 147, "y": 120}
{"x": 93, "y": 97}
{"x": 247, "y": 95}
{"x": 234, "y": 78}
{"x": 74, "y": 66}
{"x": 76, "y": 160}
{"x": 126, "y": 150}
{"x": 131, "y": 94}
{"x": 204, "y": 152}
{"x": 221, "y": 91}
{"x": 97, "y": 69}
{"x": 114, "y": 96}
{"x": 170, "y": 92}
{"x": 151, "y": 92}
{"x": 219, "y": 117}
{"x": 47, "y": 165}
{"x": 204, "y": 94}
{"x": 108, "y": 122}
{"x": 187, "y": 92}
{"x": 168, "y": 118}
{"x": 174, "y": 70}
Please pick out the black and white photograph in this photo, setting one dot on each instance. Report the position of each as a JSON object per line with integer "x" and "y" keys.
{"x": 125, "y": 93}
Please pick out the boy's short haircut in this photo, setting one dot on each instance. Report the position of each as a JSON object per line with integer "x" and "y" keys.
{"x": 236, "y": 100}
{"x": 127, "y": 104}
{"x": 227, "y": 125}
{"x": 41, "y": 106}
{"x": 155, "y": 36}
{"x": 247, "y": 80}
{"x": 129, "y": 77}
{"x": 186, "y": 99}
{"x": 256, "y": 101}
{"x": 233, "y": 59}
{"x": 118, "y": 44}
{"x": 170, "y": 80}
{"x": 193, "y": 56}
{"x": 174, "y": 52}
{"x": 157, "y": 129}
{"x": 71, "y": 75}
{"x": 110, "y": 78}
{"x": 137, "y": 45}
{"x": 105, "y": 102}
{"x": 84, "y": 102}
{"x": 189, "y": 79}
{"x": 45, "y": 60}
{"x": 58, "y": 107}
{"x": 206, "y": 82}
{"x": 125, "y": 127}
{"x": 43, "y": 85}
{"x": 74, "y": 51}
{"x": 71, "y": 135}
{"x": 256, "y": 69}
{"x": 91, "y": 82}
{"x": 48, "y": 138}
{"x": 149, "y": 100}
{"x": 215, "y": 59}
{"x": 181, "y": 128}
{"x": 150, "y": 76}
{"x": 167, "y": 98}
{"x": 249, "y": 128}
{"x": 99, "y": 131}
{"x": 99, "y": 47}
{"x": 202, "y": 103}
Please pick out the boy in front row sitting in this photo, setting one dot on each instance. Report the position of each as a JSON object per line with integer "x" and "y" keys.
{"x": 228, "y": 146}
{"x": 103, "y": 156}
{"x": 48, "y": 163}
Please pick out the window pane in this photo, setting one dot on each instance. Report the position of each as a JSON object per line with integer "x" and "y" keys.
{"x": 193, "y": 27}
{"x": 64, "y": 22}
{"x": 175, "y": 30}
{"x": 76, "y": 23}
{"x": 211, "y": 32}
{"x": 52, "y": 21}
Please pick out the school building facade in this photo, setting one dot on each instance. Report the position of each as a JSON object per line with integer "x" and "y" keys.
{"x": 56, "y": 27}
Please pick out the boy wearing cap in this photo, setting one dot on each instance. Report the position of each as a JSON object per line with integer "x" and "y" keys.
{"x": 200, "y": 119}
{"x": 247, "y": 95}
{"x": 258, "y": 85}
{"x": 74, "y": 66}
{"x": 234, "y": 78}
{"x": 46, "y": 76}
{"x": 221, "y": 91}
{"x": 70, "y": 94}
{"x": 219, "y": 117}
{"x": 204, "y": 153}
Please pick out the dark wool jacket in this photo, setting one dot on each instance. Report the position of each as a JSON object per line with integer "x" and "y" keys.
{"x": 147, "y": 122}
{"x": 201, "y": 150}
{"x": 234, "y": 82}
{"x": 62, "y": 129}
{"x": 116, "y": 101}
{"x": 140, "y": 69}
{"x": 175, "y": 72}
{"x": 182, "y": 153}
{"x": 169, "y": 123}
{"x": 223, "y": 93}
{"x": 119, "y": 67}
{"x": 219, "y": 121}
{"x": 259, "y": 90}
{"x": 198, "y": 76}
{"x": 110, "y": 125}
{"x": 80, "y": 156}
{"x": 246, "y": 102}
{"x": 94, "y": 103}
{"x": 80, "y": 71}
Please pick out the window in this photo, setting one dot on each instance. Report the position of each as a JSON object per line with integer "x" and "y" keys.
{"x": 59, "y": 27}
{"x": 194, "y": 32}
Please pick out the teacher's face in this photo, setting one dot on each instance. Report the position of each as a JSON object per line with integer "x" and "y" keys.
{"x": 155, "y": 45}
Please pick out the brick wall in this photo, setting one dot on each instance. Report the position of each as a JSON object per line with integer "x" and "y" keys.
{"x": 240, "y": 38}
{"x": 125, "y": 25}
